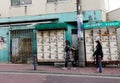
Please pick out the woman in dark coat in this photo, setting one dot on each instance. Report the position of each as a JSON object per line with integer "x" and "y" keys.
{"x": 68, "y": 56}
{"x": 98, "y": 54}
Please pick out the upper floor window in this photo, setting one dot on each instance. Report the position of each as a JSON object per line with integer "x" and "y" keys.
{"x": 51, "y": 0}
{"x": 20, "y": 2}
{"x": 56, "y": 0}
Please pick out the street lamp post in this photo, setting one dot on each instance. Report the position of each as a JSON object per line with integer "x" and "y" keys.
{"x": 81, "y": 51}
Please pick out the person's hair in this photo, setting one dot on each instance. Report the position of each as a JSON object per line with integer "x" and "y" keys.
{"x": 67, "y": 42}
{"x": 98, "y": 42}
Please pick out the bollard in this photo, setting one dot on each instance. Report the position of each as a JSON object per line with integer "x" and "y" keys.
{"x": 35, "y": 62}
{"x": 100, "y": 64}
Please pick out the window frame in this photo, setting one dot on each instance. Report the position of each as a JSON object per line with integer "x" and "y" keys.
{"x": 20, "y": 3}
{"x": 57, "y": 1}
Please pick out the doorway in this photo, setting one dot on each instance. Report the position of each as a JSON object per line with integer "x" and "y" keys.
{"x": 21, "y": 46}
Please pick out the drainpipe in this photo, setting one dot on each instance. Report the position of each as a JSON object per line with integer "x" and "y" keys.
{"x": 81, "y": 50}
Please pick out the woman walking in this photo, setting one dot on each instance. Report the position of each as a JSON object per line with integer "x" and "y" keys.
{"x": 98, "y": 54}
{"x": 68, "y": 57}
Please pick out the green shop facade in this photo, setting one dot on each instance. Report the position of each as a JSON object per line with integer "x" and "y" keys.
{"x": 43, "y": 35}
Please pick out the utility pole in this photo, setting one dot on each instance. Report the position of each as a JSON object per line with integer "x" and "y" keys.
{"x": 81, "y": 50}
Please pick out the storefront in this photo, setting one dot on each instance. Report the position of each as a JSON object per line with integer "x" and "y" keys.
{"x": 51, "y": 41}
{"x": 108, "y": 34}
{"x": 21, "y": 44}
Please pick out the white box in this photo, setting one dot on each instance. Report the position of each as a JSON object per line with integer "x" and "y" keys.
{"x": 114, "y": 57}
{"x": 46, "y": 33}
{"x": 60, "y": 32}
{"x": 114, "y": 50}
{"x": 53, "y": 46}
{"x": 96, "y": 32}
{"x": 39, "y": 34}
{"x": 113, "y": 44}
{"x": 104, "y": 38}
{"x": 53, "y": 56}
{"x": 39, "y": 41}
{"x": 53, "y": 40}
{"x": 89, "y": 57}
{"x": 46, "y": 40}
{"x": 113, "y": 38}
{"x": 60, "y": 50}
{"x": 39, "y": 48}
{"x": 106, "y": 57}
{"x": 104, "y": 32}
{"x": 106, "y": 51}
{"x": 46, "y": 49}
{"x": 61, "y": 56}
{"x": 88, "y": 41}
{"x": 88, "y": 33}
{"x": 112, "y": 31}
{"x": 105, "y": 44}
{"x": 60, "y": 44}
{"x": 46, "y": 55}
{"x": 53, "y": 33}
{"x": 96, "y": 38}
{"x": 60, "y": 38}
{"x": 53, "y": 50}
{"x": 89, "y": 49}
{"x": 40, "y": 55}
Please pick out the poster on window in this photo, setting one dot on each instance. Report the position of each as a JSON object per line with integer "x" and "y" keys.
{"x": 2, "y": 42}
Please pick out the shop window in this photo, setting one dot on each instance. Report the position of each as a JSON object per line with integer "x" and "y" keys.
{"x": 20, "y": 2}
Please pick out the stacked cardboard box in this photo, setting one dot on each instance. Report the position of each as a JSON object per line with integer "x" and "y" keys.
{"x": 113, "y": 44}
{"x": 105, "y": 44}
{"x": 46, "y": 45}
{"x": 89, "y": 45}
{"x": 53, "y": 44}
{"x": 60, "y": 44}
{"x": 108, "y": 39}
{"x": 50, "y": 45}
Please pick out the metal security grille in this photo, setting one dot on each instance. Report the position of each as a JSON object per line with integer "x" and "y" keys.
{"x": 21, "y": 46}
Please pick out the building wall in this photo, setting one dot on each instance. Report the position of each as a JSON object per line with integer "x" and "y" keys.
{"x": 4, "y": 8}
{"x": 93, "y": 5}
{"x": 42, "y": 7}
{"x": 36, "y": 8}
{"x": 113, "y": 15}
{"x": 4, "y": 44}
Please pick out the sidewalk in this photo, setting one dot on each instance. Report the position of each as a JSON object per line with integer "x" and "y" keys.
{"x": 29, "y": 68}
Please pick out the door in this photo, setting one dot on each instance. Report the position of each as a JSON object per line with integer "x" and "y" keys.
{"x": 21, "y": 46}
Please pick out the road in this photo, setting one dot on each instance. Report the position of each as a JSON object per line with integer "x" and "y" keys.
{"x": 19, "y": 77}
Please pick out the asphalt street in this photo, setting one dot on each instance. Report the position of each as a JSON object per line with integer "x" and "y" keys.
{"x": 19, "y": 77}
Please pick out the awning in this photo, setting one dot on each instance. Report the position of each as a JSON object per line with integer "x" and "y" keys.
{"x": 102, "y": 24}
{"x": 51, "y": 26}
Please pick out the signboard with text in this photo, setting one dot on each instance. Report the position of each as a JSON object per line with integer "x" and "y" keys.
{"x": 102, "y": 24}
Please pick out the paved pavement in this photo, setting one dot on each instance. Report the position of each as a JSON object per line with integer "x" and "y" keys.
{"x": 107, "y": 71}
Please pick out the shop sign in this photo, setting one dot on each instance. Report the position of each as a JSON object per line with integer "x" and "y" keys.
{"x": 102, "y": 24}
